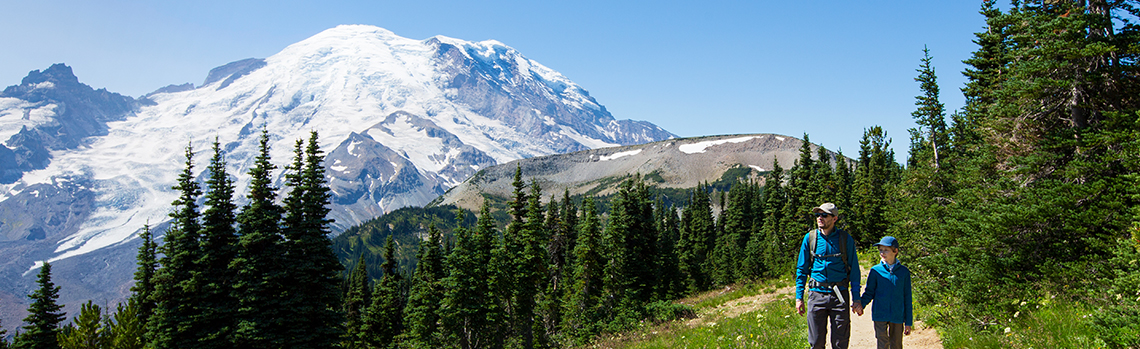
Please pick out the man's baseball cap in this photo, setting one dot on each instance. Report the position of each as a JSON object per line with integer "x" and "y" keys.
{"x": 888, "y": 241}
{"x": 828, "y": 208}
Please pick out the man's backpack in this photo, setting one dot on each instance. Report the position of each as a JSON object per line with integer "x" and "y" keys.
{"x": 813, "y": 237}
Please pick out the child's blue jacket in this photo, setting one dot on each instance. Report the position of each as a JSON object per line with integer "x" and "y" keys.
{"x": 891, "y": 292}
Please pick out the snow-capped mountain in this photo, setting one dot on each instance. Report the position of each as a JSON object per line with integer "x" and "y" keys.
{"x": 401, "y": 120}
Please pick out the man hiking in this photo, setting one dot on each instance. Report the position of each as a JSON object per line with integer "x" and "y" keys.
{"x": 828, "y": 268}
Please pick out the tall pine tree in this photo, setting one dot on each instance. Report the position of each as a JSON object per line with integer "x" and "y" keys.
{"x": 174, "y": 322}
{"x": 218, "y": 242}
{"x": 312, "y": 315}
{"x": 260, "y": 280}
{"x": 44, "y": 315}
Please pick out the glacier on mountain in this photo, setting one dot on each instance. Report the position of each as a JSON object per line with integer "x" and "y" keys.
{"x": 401, "y": 120}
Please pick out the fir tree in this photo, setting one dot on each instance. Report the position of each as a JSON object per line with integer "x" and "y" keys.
{"x": 695, "y": 243}
{"x": 421, "y": 315}
{"x": 929, "y": 142}
{"x": 584, "y": 299}
{"x": 383, "y": 320}
{"x": 777, "y": 244}
{"x": 357, "y": 298}
{"x": 218, "y": 241}
{"x": 671, "y": 283}
{"x": 86, "y": 330}
{"x": 260, "y": 280}
{"x": 873, "y": 177}
{"x": 44, "y": 315}
{"x": 143, "y": 289}
{"x": 312, "y": 317}
{"x": 468, "y": 305}
{"x": 173, "y": 324}
{"x": 128, "y": 329}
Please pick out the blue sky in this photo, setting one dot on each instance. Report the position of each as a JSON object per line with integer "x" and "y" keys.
{"x": 826, "y": 68}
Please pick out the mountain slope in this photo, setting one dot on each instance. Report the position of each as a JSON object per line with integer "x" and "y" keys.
{"x": 401, "y": 120}
{"x": 675, "y": 163}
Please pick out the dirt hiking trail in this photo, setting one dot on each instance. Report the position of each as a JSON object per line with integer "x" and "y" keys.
{"x": 862, "y": 328}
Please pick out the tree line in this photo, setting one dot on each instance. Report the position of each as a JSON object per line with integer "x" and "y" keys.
{"x": 259, "y": 276}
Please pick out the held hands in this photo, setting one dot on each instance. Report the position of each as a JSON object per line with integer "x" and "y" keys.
{"x": 857, "y": 308}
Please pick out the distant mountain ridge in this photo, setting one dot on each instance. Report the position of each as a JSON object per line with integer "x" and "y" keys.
{"x": 675, "y": 163}
{"x": 401, "y": 120}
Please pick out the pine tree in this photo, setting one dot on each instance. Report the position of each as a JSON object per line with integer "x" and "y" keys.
{"x": 584, "y": 299}
{"x": 421, "y": 315}
{"x": 128, "y": 329}
{"x": 505, "y": 264}
{"x": 143, "y": 289}
{"x": 312, "y": 317}
{"x": 44, "y": 315}
{"x": 670, "y": 282}
{"x": 383, "y": 320}
{"x": 777, "y": 244}
{"x": 173, "y": 324}
{"x": 218, "y": 242}
{"x": 468, "y": 306}
{"x": 531, "y": 269}
{"x": 357, "y": 298}
{"x": 695, "y": 244}
{"x": 86, "y": 330}
{"x": 929, "y": 141}
{"x": 260, "y": 284}
{"x": 873, "y": 176}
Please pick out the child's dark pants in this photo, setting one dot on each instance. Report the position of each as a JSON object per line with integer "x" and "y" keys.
{"x": 889, "y": 335}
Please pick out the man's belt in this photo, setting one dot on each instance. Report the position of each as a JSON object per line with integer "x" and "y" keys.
{"x": 834, "y": 286}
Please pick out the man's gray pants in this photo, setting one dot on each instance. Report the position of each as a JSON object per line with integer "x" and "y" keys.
{"x": 825, "y": 309}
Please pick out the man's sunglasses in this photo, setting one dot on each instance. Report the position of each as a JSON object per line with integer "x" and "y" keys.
{"x": 822, "y": 214}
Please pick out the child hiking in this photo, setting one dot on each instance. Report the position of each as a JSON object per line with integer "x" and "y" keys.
{"x": 888, "y": 291}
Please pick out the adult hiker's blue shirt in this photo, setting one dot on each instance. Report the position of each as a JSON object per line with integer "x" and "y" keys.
{"x": 826, "y": 269}
{"x": 888, "y": 291}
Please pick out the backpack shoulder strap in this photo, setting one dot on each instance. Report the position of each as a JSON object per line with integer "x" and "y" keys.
{"x": 843, "y": 249}
{"x": 812, "y": 236}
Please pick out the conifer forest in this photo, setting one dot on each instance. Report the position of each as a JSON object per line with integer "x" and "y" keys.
{"x": 1028, "y": 194}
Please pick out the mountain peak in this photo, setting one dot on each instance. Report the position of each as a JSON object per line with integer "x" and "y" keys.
{"x": 56, "y": 73}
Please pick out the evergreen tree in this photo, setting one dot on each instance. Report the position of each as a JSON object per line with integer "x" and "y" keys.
{"x": 584, "y": 299}
{"x": 260, "y": 281}
{"x": 357, "y": 298}
{"x": 929, "y": 141}
{"x": 468, "y": 306}
{"x": 312, "y": 314}
{"x": 987, "y": 67}
{"x": 531, "y": 269}
{"x": 504, "y": 261}
{"x": 737, "y": 229}
{"x": 421, "y": 315}
{"x": 873, "y": 176}
{"x": 173, "y": 324}
{"x": 143, "y": 289}
{"x": 383, "y": 320}
{"x": 670, "y": 281}
{"x": 44, "y": 315}
{"x": 86, "y": 330}
{"x": 128, "y": 329}
{"x": 778, "y": 245}
{"x": 695, "y": 244}
{"x": 218, "y": 241}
